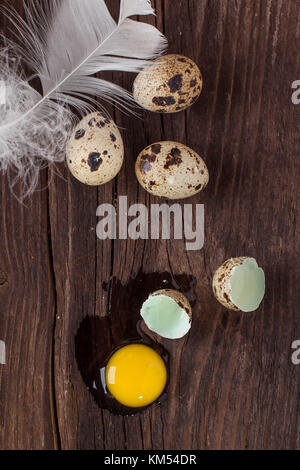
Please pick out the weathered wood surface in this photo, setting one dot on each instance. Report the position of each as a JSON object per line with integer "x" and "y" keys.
{"x": 233, "y": 385}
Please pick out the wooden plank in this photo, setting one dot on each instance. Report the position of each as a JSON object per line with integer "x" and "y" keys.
{"x": 232, "y": 383}
{"x": 27, "y": 313}
{"x": 233, "y": 370}
{"x": 27, "y": 414}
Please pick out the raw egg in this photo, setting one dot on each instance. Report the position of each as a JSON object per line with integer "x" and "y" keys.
{"x": 136, "y": 375}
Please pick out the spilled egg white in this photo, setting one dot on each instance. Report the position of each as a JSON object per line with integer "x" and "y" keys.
{"x": 171, "y": 170}
{"x": 95, "y": 151}
{"x": 172, "y": 84}
{"x": 167, "y": 313}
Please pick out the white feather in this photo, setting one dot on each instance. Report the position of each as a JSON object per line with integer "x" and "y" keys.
{"x": 33, "y": 131}
{"x": 64, "y": 42}
{"x": 135, "y": 7}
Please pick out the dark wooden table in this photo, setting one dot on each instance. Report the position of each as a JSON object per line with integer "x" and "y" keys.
{"x": 233, "y": 385}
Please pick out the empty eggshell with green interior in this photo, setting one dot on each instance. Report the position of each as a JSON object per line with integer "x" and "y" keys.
{"x": 239, "y": 284}
{"x": 167, "y": 313}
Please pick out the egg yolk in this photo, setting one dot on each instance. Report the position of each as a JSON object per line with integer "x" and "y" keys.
{"x": 136, "y": 375}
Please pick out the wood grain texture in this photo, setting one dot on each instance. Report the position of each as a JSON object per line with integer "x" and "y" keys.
{"x": 233, "y": 385}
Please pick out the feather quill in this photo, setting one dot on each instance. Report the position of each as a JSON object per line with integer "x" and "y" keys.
{"x": 65, "y": 42}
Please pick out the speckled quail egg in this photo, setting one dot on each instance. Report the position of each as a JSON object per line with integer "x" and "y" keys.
{"x": 172, "y": 84}
{"x": 95, "y": 151}
{"x": 171, "y": 170}
{"x": 239, "y": 284}
{"x": 167, "y": 313}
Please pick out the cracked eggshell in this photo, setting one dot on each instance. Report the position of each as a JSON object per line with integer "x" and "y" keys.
{"x": 168, "y": 313}
{"x": 239, "y": 284}
{"x": 95, "y": 151}
{"x": 172, "y": 84}
{"x": 221, "y": 282}
{"x": 171, "y": 170}
{"x": 179, "y": 298}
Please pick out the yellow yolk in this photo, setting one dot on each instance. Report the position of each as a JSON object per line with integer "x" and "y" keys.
{"x": 136, "y": 375}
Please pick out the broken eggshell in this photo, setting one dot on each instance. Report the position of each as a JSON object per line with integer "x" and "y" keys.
{"x": 95, "y": 151}
{"x": 239, "y": 284}
{"x": 167, "y": 313}
{"x": 172, "y": 84}
{"x": 171, "y": 170}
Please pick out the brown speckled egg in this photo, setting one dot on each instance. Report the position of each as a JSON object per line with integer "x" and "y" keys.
{"x": 221, "y": 282}
{"x": 171, "y": 170}
{"x": 95, "y": 151}
{"x": 172, "y": 84}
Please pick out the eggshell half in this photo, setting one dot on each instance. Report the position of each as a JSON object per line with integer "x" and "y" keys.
{"x": 167, "y": 313}
{"x": 221, "y": 282}
{"x": 179, "y": 298}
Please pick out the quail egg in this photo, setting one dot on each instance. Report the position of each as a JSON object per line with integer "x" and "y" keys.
{"x": 171, "y": 170}
{"x": 172, "y": 84}
{"x": 95, "y": 151}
